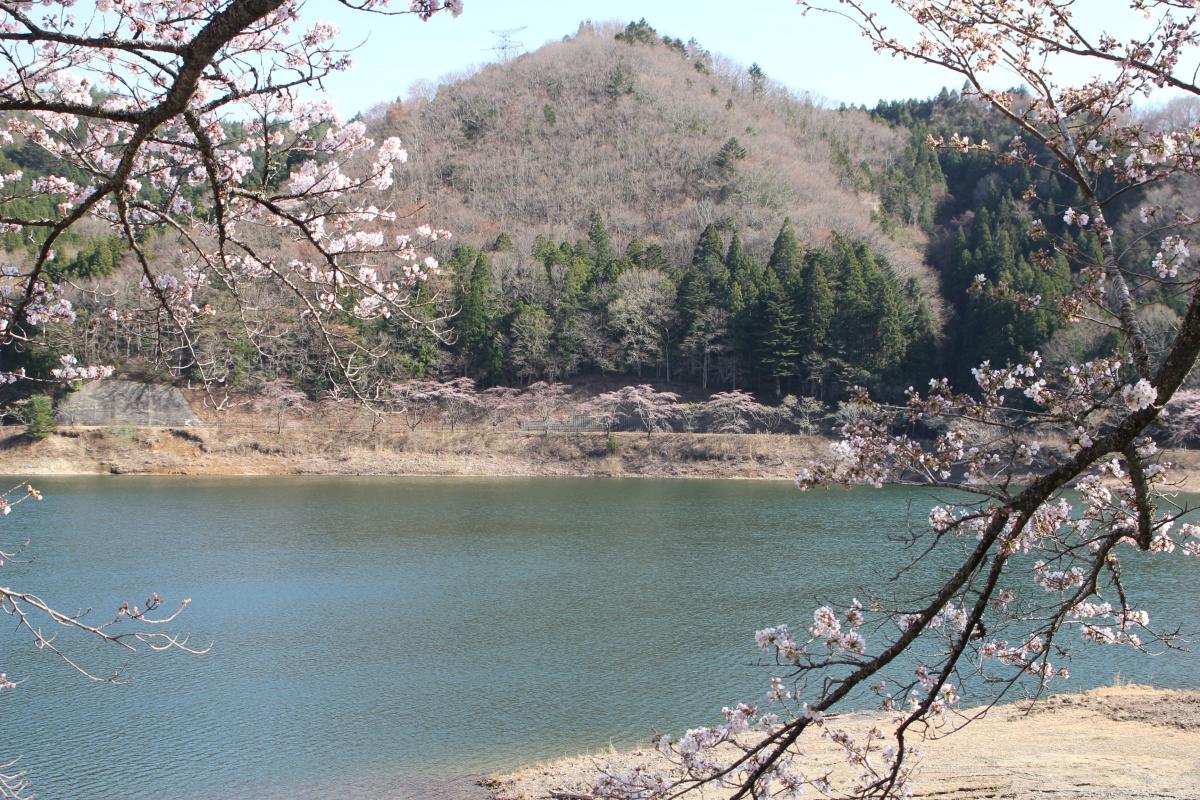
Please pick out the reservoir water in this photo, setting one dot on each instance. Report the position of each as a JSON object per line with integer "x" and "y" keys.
{"x": 378, "y": 638}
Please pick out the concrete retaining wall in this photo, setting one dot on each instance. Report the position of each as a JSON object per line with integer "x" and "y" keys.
{"x": 110, "y": 402}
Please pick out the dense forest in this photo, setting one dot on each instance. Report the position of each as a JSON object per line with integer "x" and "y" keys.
{"x": 807, "y": 319}
{"x": 633, "y": 207}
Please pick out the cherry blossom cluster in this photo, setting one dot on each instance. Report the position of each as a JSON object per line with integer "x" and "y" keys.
{"x": 416, "y": 400}
{"x": 1173, "y": 254}
{"x": 183, "y": 123}
{"x": 735, "y": 411}
{"x": 72, "y": 370}
{"x": 654, "y": 410}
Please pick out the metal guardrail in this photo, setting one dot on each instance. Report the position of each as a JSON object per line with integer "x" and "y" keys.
{"x": 343, "y": 428}
{"x": 577, "y": 424}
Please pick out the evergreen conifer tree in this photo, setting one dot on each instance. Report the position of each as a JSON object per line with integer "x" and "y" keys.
{"x": 786, "y": 256}
{"x": 854, "y": 320}
{"x": 779, "y": 350}
{"x": 815, "y": 307}
{"x": 745, "y": 275}
{"x": 887, "y": 346}
{"x": 709, "y": 261}
{"x": 921, "y": 357}
{"x": 600, "y": 249}
{"x": 478, "y": 328}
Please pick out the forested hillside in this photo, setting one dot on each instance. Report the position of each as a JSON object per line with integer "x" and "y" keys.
{"x": 629, "y": 206}
{"x": 980, "y": 211}
{"x": 657, "y": 136}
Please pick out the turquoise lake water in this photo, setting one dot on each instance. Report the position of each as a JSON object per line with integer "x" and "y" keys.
{"x": 379, "y": 638}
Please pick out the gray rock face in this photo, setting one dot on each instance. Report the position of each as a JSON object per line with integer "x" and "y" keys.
{"x": 126, "y": 403}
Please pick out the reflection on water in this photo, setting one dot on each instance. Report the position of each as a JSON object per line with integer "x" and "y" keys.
{"x": 384, "y": 638}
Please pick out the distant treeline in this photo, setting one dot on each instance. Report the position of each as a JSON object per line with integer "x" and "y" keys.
{"x": 810, "y": 320}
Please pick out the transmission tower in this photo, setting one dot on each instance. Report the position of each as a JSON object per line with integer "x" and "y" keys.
{"x": 506, "y": 46}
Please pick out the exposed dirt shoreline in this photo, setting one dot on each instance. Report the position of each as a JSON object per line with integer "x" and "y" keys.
{"x": 1117, "y": 743}
{"x": 242, "y": 450}
{"x": 250, "y": 447}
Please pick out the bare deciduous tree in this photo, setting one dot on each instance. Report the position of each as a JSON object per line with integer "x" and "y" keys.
{"x": 641, "y": 313}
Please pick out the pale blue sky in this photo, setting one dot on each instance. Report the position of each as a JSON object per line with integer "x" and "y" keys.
{"x": 790, "y": 47}
{"x": 816, "y": 53}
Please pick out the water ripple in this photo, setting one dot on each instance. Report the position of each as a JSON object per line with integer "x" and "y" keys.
{"x": 389, "y": 638}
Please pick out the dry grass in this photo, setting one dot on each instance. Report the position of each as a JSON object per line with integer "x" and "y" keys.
{"x": 236, "y": 447}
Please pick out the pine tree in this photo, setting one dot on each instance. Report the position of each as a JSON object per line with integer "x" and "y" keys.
{"x": 418, "y": 351}
{"x": 543, "y": 249}
{"x": 815, "y": 307}
{"x": 786, "y": 256}
{"x": 707, "y": 259}
{"x": 639, "y": 32}
{"x": 779, "y": 351}
{"x": 635, "y": 251}
{"x": 478, "y": 329}
{"x": 580, "y": 275}
{"x": 503, "y": 243}
{"x": 39, "y": 417}
{"x": 655, "y": 257}
{"x": 692, "y": 300}
{"x": 921, "y": 357}
{"x": 758, "y": 79}
{"x": 461, "y": 265}
{"x": 855, "y": 318}
{"x": 600, "y": 249}
{"x": 745, "y": 275}
{"x": 746, "y": 279}
{"x": 730, "y": 152}
{"x": 704, "y": 286}
{"x": 888, "y": 345}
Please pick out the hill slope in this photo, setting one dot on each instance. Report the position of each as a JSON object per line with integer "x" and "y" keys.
{"x": 659, "y": 139}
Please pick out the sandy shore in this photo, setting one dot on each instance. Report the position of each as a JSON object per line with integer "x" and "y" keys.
{"x": 1119, "y": 743}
